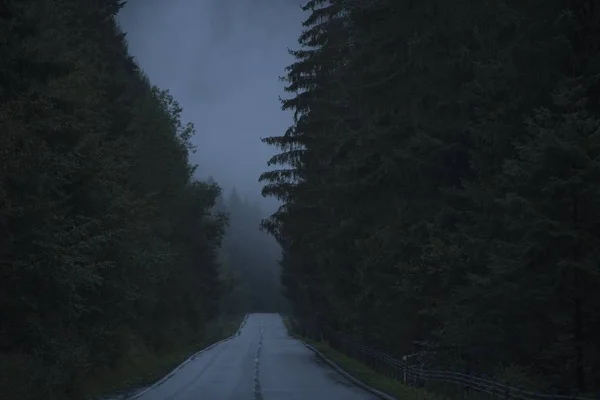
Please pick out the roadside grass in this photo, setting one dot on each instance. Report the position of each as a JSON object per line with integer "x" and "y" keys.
{"x": 133, "y": 372}
{"x": 141, "y": 367}
{"x": 512, "y": 376}
{"x": 364, "y": 373}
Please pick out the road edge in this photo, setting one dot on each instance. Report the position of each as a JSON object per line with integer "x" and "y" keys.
{"x": 346, "y": 375}
{"x": 190, "y": 358}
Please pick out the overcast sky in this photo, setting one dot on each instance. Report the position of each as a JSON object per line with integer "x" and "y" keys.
{"x": 221, "y": 59}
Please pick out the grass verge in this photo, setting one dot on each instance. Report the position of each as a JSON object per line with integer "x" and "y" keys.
{"x": 364, "y": 373}
{"x": 142, "y": 368}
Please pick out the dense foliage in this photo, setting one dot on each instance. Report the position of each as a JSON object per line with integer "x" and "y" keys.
{"x": 440, "y": 182}
{"x": 108, "y": 246}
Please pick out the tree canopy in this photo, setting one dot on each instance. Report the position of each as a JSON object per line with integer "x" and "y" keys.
{"x": 440, "y": 182}
{"x": 108, "y": 244}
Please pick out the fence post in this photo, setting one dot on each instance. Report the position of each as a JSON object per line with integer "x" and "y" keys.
{"x": 466, "y": 386}
{"x": 404, "y": 358}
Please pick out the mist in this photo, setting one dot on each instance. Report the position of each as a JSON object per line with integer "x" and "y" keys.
{"x": 221, "y": 60}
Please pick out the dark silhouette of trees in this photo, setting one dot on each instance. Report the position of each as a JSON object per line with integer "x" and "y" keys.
{"x": 440, "y": 182}
{"x": 108, "y": 245}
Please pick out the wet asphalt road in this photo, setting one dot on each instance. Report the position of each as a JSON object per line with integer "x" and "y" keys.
{"x": 262, "y": 363}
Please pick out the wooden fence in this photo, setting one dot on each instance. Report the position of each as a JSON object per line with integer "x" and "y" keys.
{"x": 451, "y": 384}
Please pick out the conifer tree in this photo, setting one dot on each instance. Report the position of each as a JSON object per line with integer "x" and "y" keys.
{"x": 433, "y": 182}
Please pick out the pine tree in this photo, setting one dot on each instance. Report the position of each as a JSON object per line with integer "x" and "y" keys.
{"x": 416, "y": 200}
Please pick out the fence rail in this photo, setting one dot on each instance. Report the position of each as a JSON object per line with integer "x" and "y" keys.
{"x": 464, "y": 384}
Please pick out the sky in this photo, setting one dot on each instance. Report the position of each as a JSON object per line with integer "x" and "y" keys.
{"x": 221, "y": 60}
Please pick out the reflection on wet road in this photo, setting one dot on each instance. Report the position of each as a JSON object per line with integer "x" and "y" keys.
{"x": 262, "y": 363}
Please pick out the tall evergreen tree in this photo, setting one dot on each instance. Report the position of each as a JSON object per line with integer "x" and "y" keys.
{"x": 433, "y": 182}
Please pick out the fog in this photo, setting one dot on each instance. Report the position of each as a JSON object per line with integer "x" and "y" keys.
{"x": 221, "y": 60}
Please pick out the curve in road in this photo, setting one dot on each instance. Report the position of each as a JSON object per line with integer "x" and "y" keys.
{"x": 261, "y": 363}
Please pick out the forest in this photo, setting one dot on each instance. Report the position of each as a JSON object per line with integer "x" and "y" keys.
{"x": 110, "y": 247}
{"x": 440, "y": 183}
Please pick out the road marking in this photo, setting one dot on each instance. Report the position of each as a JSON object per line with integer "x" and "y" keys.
{"x": 257, "y": 388}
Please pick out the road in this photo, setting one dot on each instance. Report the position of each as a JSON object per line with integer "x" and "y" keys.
{"x": 262, "y": 363}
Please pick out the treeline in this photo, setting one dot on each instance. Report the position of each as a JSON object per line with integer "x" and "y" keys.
{"x": 108, "y": 246}
{"x": 440, "y": 183}
{"x": 248, "y": 259}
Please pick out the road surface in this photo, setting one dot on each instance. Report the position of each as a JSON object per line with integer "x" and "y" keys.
{"x": 262, "y": 363}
